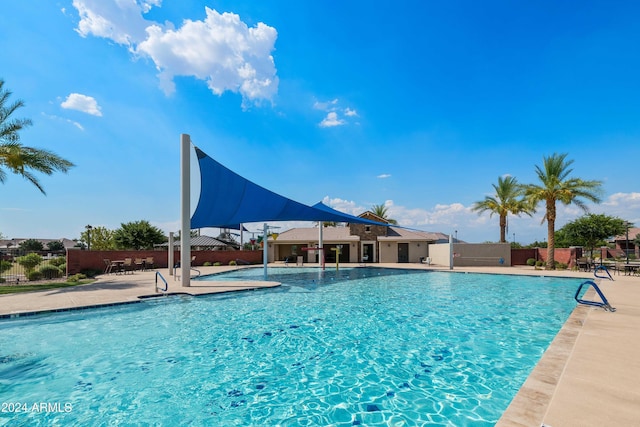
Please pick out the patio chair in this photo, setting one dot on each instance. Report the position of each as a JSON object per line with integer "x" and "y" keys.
{"x": 139, "y": 264}
{"x": 108, "y": 266}
{"x": 128, "y": 265}
{"x": 618, "y": 267}
{"x": 148, "y": 263}
{"x": 583, "y": 264}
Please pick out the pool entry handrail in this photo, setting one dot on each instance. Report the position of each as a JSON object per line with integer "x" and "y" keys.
{"x": 166, "y": 285}
{"x": 602, "y": 268}
{"x": 604, "y": 304}
{"x": 177, "y": 276}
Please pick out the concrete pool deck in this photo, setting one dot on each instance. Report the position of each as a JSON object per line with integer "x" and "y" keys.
{"x": 588, "y": 376}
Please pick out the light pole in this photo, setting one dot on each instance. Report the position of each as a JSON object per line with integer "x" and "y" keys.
{"x": 627, "y": 242}
{"x": 514, "y": 238}
{"x": 89, "y": 228}
{"x": 456, "y": 236}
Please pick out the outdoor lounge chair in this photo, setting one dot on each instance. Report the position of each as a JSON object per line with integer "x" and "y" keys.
{"x": 128, "y": 265}
{"x": 108, "y": 266}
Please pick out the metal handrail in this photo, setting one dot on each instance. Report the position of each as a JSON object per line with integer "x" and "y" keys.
{"x": 604, "y": 304}
{"x": 176, "y": 276}
{"x": 605, "y": 269}
{"x": 166, "y": 285}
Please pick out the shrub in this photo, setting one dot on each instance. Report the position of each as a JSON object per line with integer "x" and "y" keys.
{"x": 34, "y": 275}
{"x": 76, "y": 278}
{"x": 49, "y": 271}
{"x": 561, "y": 266}
{"x": 90, "y": 272}
{"x": 58, "y": 261}
{"x": 217, "y": 263}
{"x": 207, "y": 264}
{"x": 233, "y": 262}
{"x": 30, "y": 261}
{"x": 531, "y": 262}
{"x": 5, "y": 265}
{"x": 539, "y": 263}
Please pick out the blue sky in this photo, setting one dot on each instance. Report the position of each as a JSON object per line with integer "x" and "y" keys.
{"x": 416, "y": 104}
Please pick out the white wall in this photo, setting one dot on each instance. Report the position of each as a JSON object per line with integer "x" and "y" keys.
{"x": 439, "y": 253}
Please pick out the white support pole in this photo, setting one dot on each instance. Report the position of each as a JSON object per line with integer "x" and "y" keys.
{"x": 185, "y": 210}
{"x": 170, "y": 255}
{"x": 450, "y": 252}
{"x": 320, "y": 251}
{"x": 265, "y": 245}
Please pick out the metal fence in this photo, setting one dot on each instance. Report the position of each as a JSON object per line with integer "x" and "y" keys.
{"x": 18, "y": 266}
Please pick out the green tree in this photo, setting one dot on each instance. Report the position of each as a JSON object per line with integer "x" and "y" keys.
{"x": 562, "y": 239}
{"x": 592, "y": 230}
{"x": 30, "y": 261}
{"x": 508, "y": 199}
{"x": 556, "y": 186}
{"x": 382, "y": 211}
{"x": 102, "y": 239}
{"x": 5, "y": 265}
{"x": 31, "y": 245}
{"x": 17, "y": 158}
{"x": 55, "y": 245}
{"x": 138, "y": 235}
{"x": 536, "y": 244}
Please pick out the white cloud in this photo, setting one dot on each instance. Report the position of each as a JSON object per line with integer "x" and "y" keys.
{"x": 348, "y": 206}
{"x": 84, "y": 103}
{"x": 331, "y": 120}
{"x": 384, "y": 175}
{"x": 333, "y": 113}
{"x": 57, "y": 118}
{"x": 120, "y": 21}
{"x": 221, "y": 50}
{"x": 325, "y": 106}
{"x": 622, "y": 205}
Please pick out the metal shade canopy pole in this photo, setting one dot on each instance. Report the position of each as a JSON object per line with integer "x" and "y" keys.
{"x": 265, "y": 256}
{"x": 185, "y": 210}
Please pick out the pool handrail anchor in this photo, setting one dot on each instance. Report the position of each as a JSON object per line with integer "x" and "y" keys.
{"x": 166, "y": 285}
{"x": 606, "y": 270}
{"x": 604, "y": 304}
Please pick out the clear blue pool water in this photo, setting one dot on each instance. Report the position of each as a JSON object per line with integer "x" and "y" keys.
{"x": 367, "y": 347}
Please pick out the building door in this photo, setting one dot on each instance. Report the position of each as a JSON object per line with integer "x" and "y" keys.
{"x": 403, "y": 252}
{"x": 367, "y": 252}
{"x": 331, "y": 253}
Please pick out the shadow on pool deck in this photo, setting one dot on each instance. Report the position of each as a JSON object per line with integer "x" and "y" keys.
{"x": 588, "y": 376}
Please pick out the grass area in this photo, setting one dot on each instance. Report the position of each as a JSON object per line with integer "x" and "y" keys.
{"x": 14, "y": 289}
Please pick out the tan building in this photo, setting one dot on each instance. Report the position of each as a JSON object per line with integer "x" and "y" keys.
{"x": 357, "y": 243}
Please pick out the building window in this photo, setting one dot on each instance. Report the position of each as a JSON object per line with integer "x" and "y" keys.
{"x": 367, "y": 229}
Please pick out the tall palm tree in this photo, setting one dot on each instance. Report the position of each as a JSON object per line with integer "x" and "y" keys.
{"x": 382, "y": 211}
{"x": 556, "y": 186}
{"x": 508, "y": 199}
{"x": 17, "y": 158}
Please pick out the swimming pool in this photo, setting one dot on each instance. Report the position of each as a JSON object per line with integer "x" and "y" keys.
{"x": 354, "y": 347}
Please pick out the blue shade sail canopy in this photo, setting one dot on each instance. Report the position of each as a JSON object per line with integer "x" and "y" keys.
{"x": 228, "y": 200}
